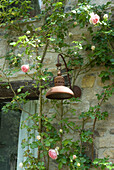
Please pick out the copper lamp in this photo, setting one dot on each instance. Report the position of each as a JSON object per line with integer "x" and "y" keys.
{"x": 60, "y": 91}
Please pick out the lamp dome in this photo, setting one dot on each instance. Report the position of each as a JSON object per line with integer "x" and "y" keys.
{"x": 59, "y": 93}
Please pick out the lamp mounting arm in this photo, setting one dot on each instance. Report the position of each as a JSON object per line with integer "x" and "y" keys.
{"x": 59, "y": 64}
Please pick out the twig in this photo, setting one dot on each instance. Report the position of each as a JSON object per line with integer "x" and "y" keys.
{"x": 76, "y": 75}
{"x": 110, "y": 47}
{"x": 44, "y": 151}
{"x": 45, "y": 50}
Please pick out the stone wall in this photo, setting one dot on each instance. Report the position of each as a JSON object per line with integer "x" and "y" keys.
{"x": 90, "y": 84}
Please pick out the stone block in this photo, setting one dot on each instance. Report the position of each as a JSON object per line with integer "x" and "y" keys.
{"x": 88, "y": 81}
{"x": 112, "y": 131}
{"x": 106, "y": 141}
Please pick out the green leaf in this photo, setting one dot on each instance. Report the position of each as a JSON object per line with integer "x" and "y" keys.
{"x": 13, "y": 43}
{"x": 112, "y": 60}
{"x": 63, "y": 161}
{"x": 34, "y": 145}
{"x": 47, "y": 143}
{"x": 60, "y": 165}
{"x": 58, "y": 4}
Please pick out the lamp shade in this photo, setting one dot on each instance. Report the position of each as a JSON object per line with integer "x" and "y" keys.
{"x": 59, "y": 93}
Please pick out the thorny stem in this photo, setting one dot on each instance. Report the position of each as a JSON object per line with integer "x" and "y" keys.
{"x": 45, "y": 50}
{"x": 41, "y": 104}
{"x": 40, "y": 114}
{"x": 94, "y": 123}
{"x": 61, "y": 123}
{"x": 53, "y": 105}
{"x": 30, "y": 76}
{"x": 76, "y": 75}
{"x": 72, "y": 128}
{"x": 44, "y": 154}
{"x": 48, "y": 163}
{"x": 36, "y": 49}
{"x": 83, "y": 123}
{"x": 93, "y": 137}
{"x": 73, "y": 167}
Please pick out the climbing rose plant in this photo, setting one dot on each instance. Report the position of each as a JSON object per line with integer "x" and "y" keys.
{"x": 55, "y": 27}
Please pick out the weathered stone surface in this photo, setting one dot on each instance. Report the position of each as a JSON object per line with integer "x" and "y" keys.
{"x": 105, "y": 152}
{"x": 112, "y": 131}
{"x": 100, "y": 83}
{"x": 102, "y": 131}
{"x": 106, "y": 142}
{"x": 88, "y": 81}
{"x": 99, "y": 2}
{"x": 109, "y": 152}
{"x": 3, "y": 47}
{"x": 89, "y": 94}
{"x": 78, "y": 107}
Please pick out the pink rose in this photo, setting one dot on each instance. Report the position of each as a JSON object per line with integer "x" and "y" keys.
{"x": 74, "y": 156}
{"x": 52, "y": 154}
{"x": 75, "y": 23}
{"x": 25, "y": 68}
{"x": 94, "y": 18}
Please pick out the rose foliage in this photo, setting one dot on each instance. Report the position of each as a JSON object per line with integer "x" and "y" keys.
{"x": 51, "y": 30}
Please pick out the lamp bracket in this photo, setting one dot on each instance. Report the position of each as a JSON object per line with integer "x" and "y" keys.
{"x": 77, "y": 91}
